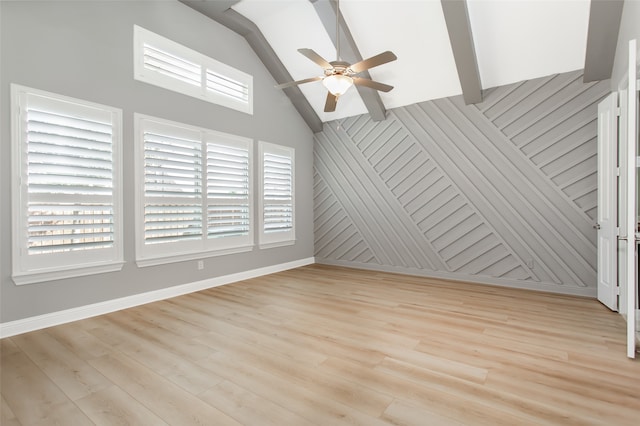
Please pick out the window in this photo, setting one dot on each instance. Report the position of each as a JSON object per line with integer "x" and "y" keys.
{"x": 193, "y": 192}
{"x": 277, "y": 225}
{"x": 165, "y": 63}
{"x": 66, "y": 178}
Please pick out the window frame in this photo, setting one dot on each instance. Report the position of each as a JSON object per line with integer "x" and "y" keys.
{"x": 67, "y": 264}
{"x": 284, "y": 238}
{"x": 152, "y": 254}
{"x": 144, "y": 74}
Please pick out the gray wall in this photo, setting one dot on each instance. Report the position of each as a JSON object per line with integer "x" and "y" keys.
{"x": 499, "y": 192}
{"x": 629, "y": 29}
{"x": 84, "y": 50}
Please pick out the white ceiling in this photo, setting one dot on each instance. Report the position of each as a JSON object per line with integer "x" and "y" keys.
{"x": 514, "y": 40}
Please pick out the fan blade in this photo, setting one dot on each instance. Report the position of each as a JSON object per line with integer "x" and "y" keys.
{"x": 311, "y": 54}
{"x": 295, "y": 83}
{"x": 373, "y": 61}
{"x": 330, "y": 105}
{"x": 359, "y": 81}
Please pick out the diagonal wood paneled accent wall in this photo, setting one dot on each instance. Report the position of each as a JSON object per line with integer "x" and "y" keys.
{"x": 501, "y": 192}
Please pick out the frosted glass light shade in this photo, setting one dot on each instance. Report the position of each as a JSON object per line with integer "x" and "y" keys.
{"x": 337, "y": 84}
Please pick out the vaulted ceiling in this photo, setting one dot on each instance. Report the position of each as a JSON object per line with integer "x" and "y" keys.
{"x": 444, "y": 47}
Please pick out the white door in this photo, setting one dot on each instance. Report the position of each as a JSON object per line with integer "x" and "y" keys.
{"x": 607, "y": 201}
{"x": 629, "y": 149}
{"x": 623, "y": 163}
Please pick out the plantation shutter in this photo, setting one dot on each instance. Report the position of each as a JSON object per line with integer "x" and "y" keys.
{"x": 196, "y": 196}
{"x": 278, "y": 193}
{"x": 277, "y": 215}
{"x": 227, "y": 191}
{"x": 69, "y": 173}
{"x": 227, "y": 86}
{"x": 172, "y": 185}
{"x": 172, "y": 65}
{"x": 66, "y": 196}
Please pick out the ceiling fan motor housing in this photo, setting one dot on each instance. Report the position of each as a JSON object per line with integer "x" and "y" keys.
{"x": 339, "y": 67}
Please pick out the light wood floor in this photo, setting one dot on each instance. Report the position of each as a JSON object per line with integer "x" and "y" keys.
{"x": 326, "y": 346}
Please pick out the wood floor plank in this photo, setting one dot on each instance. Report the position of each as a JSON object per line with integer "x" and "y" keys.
{"x": 162, "y": 337}
{"x": 33, "y": 397}
{"x": 69, "y": 372}
{"x": 132, "y": 341}
{"x": 402, "y": 413}
{"x": 489, "y": 351}
{"x": 300, "y": 375}
{"x": 428, "y": 393}
{"x": 7, "y": 417}
{"x": 165, "y": 315}
{"x": 625, "y": 408}
{"x": 249, "y": 408}
{"x": 319, "y": 408}
{"x": 327, "y": 345}
{"x": 249, "y": 334}
{"x": 77, "y": 340}
{"x": 113, "y": 406}
{"x": 168, "y": 401}
{"x": 304, "y": 337}
{"x": 497, "y": 406}
{"x": 194, "y": 377}
{"x": 8, "y": 347}
{"x": 65, "y": 414}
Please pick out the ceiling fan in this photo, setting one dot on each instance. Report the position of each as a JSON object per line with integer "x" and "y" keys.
{"x": 339, "y": 75}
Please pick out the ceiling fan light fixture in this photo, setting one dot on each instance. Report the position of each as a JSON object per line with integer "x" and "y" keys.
{"x": 337, "y": 84}
{"x": 340, "y": 75}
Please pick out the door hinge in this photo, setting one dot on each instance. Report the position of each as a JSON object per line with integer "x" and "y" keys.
{"x": 618, "y": 290}
{"x": 617, "y": 231}
{"x": 618, "y": 171}
{"x": 617, "y": 111}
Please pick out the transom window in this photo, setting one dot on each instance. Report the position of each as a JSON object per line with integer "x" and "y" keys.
{"x": 165, "y": 63}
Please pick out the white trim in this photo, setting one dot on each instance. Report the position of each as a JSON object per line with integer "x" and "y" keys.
{"x": 25, "y": 325}
{"x": 501, "y": 282}
{"x": 278, "y": 244}
{"x": 172, "y": 258}
{"x": 72, "y": 272}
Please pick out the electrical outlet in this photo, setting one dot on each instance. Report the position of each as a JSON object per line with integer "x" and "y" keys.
{"x": 200, "y": 264}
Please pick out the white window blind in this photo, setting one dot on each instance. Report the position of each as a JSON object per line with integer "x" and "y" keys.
{"x": 165, "y": 63}
{"x": 67, "y": 202}
{"x": 277, "y": 201}
{"x": 172, "y": 186}
{"x": 227, "y": 191}
{"x": 226, "y": 86}
{"x": 172, "y": 66}
{"x": 196, "y": 196}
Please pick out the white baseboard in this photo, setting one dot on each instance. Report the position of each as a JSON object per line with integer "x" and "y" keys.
{"x": 525, "y": 285}
{"x": 25, "y": 325}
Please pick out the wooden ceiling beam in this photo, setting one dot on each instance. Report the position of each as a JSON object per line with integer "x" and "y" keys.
{"x": 602, "y": 39}
{"x": 456, "y": 17}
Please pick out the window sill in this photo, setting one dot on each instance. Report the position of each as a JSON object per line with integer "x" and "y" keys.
{"x": 277, "y": 244}
{"x": 161, "y": 260}
{"x": 51, "y": 275}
